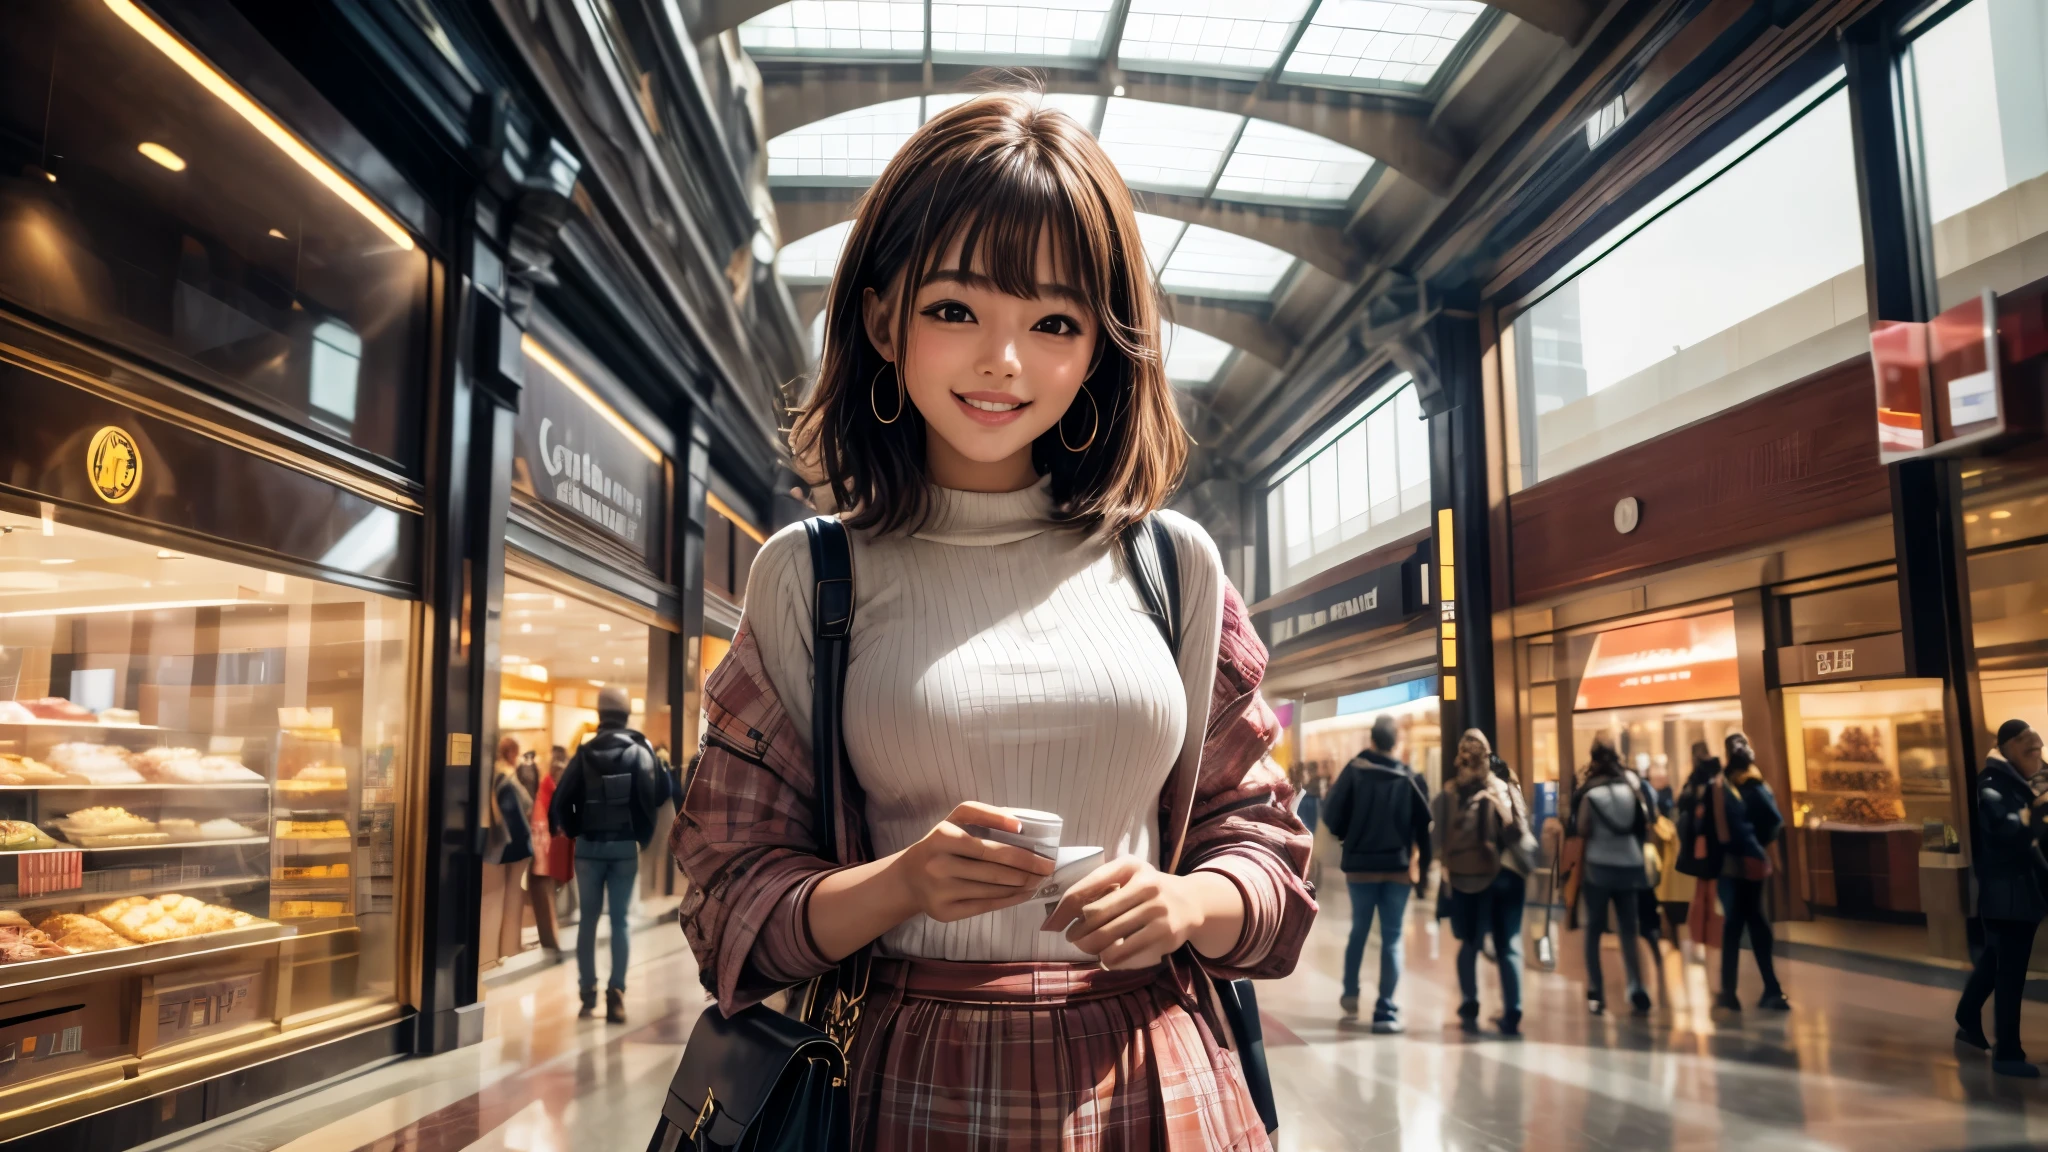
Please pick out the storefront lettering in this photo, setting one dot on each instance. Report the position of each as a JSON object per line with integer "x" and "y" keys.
{"x": 1833, "y": 661}
{"x": 1288, "y": 629}
{"x": 588, "y": 490}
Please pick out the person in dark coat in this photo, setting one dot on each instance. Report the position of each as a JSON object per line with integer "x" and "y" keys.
{"x": 1746, "y": 823}
{"x": 1379, "y": 808}
{"x": 2010, "y": 900}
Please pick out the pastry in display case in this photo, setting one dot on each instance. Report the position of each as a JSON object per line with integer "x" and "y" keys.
{"x": 1852, "y": 773}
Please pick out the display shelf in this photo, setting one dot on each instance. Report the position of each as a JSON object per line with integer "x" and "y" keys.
{"x": 83, "y": 896}
{"x": 39, "y": 723}
{"x": 97, "y": 963}
{"x": 165, "y": 846}
{"x": 146, "y": 786}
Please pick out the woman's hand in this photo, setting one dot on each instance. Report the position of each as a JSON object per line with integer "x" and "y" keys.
{"x": 1131, "y": 915}
{"x": 950, "y": 875}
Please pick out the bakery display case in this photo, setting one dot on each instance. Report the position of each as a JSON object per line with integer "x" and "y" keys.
{"x": 198, "y": 766}
{"x": 1870, "y": 775}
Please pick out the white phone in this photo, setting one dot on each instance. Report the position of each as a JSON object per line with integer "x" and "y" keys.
{"x": 1073, "y": 863}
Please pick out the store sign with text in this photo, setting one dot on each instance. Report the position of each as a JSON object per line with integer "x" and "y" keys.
{"x": 1369, "y": 600}
{"x": 1662, "y": 662}
{"x": 577, "y": 455}
{"x": 1865, "y": 658}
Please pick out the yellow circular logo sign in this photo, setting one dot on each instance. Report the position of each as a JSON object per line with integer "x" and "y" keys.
{"x": 114, "y": 464}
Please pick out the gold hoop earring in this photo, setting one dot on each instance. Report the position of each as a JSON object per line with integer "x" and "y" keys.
{"x": 1094, "y": 423}
{"x": 875, "y": 406}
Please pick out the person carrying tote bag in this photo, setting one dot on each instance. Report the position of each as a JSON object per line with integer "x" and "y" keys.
{"x": 992, "y": 447}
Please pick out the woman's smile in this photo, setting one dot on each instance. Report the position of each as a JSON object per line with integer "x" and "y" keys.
{"x": 991, "y": 407}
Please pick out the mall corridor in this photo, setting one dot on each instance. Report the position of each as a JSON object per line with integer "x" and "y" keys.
{"x": 1862, "y": 1064}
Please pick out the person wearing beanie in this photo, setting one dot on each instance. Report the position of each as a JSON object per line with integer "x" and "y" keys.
{"x": 2010, "y": 898}
{"x": 1745, "y": 824}
{"x": 607, "y": 799}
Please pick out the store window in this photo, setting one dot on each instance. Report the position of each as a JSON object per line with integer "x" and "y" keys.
{"x": 147, "y": 202}
{"x": 1655, "y": 690}
{"x": 1362, "y": 484}
{"x": 1334, "y": 731}
{"x": 196, "y": 757}
{"x": 1870, "y": 780}
{"x": 1980, "y": 115}
{"x": 1701, "y": 300}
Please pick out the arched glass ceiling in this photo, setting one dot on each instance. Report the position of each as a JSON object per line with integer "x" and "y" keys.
{"x": 1189, "y": 259}
{"x": 1157, "y": 147}
{"x": 1372, "y": 43}
{"x": 1193, "y": 358}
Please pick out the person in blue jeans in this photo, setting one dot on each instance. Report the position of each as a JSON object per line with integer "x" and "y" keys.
{"x": 607, "y": 799}
{"x": 1379, "y": 809}
{"x": 1481, "y": 834}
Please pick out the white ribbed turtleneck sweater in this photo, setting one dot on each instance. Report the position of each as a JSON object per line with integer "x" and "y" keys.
{"x": 1000, "y": 657}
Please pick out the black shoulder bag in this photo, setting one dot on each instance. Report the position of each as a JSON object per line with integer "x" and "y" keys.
{"x": 760, "y": 1080}
{"x": 1159, "y": 583}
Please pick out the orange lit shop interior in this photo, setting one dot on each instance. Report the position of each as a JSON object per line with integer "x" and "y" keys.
{"x": 559, "y": 651}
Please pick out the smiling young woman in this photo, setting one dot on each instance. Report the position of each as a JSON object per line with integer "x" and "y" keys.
{"x": 991, "y": 412}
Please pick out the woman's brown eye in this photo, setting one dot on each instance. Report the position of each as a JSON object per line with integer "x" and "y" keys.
{"x": 1059, "y": 326}
{"x": 951, "y": 313}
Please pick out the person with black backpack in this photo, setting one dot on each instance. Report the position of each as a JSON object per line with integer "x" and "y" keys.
{"x": 607, "y": 800}
{"x": 1745, "y": 824}
{"x": 1610, "y": 814}
{"x": 1481, "y": 833}
{"x": 1379, "y": 808}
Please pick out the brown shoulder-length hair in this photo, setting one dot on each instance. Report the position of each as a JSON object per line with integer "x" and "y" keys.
{"x": 996, "y": 173}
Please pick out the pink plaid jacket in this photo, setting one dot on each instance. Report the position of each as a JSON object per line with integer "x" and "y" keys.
{"x": 745, "y": 838}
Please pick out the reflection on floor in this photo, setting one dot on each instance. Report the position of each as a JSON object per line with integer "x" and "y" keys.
{"x": 1862, "y": 1063}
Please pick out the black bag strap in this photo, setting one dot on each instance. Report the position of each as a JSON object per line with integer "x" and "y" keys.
{"x": 1149, "y": 556}
{"x": 831, "y": 629}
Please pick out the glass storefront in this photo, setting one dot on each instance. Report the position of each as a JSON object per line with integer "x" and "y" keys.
{"x": 201, "y": 769}
{"x": 1871, "y": 788}
{"x": 1654, "y": 690}
{"x": 1334, "y": 731}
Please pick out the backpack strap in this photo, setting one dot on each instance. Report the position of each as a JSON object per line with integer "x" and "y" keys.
{"x": 831, "y": 632}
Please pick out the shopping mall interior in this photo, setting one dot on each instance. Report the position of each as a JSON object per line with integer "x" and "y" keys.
{"x": 389, "y": 384}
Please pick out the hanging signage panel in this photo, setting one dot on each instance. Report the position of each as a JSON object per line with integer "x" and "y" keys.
{"x": 575, "y": 454}
{"x": 1662, "y": 662}
{"x": 1369, "y": 600}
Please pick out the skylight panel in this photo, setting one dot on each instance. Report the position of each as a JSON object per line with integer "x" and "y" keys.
{"x": 852, "y": 147}
{"x": 1386, "y": 41}
{"x": 1276, "y": 162}
{"x": 1159, "y": 234}
{"x": 1208, "y": 33}
{"x": 1166, "y": 147}
{"x": 1046, "y": 29}
{"x": 1209, "y": 262}
{"x": 811, "y": 259}
{"x": 850, "y": 27}
{"x": 1193, "y": 358}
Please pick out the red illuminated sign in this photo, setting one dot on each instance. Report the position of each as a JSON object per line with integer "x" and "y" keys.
{"x": 1663, "y": 662}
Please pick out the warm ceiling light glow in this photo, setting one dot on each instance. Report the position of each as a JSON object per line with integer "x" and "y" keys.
{"x": 167, "y": 554}
{"x": 2001, "y": 514}
{"x": 604, "y": 627}
{"x": 54, "y": 560}
{"x": 161, "y": 155}
{"x": 276, "y": 235}
{"x": 594, "y": 659}
{"x": 1969, "y": 517}
{"x": 560, "y": 371}
{"x": 147, "y": 606}
{"x": 228, "y": 94}
{"x": 738, "y": 521}
{"x": 526, "y": 627}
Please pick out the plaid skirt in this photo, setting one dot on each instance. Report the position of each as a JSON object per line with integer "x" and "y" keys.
{"x": 1001, "y": 1057}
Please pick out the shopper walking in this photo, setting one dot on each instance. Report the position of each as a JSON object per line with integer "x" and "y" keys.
{"x": 1611, "y": 817}
{"x": 1699, "y": 853}
{"x": 1379, "y": 808}
{"x": 508, "y": 850}
{"x": 1481, "y": 834}
{"x": 2010, "y": 897}
{"x": 607, "y": 799}
{"x": 1746, "y": 823}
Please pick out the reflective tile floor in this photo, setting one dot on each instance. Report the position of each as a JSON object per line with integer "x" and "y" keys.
{"x": 1863, "y": 1062}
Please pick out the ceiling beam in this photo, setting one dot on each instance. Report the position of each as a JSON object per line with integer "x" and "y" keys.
{"x": 1568, "y": 19}
{"x": 1392, "y": 128}
{"x": 1313, "y": 235}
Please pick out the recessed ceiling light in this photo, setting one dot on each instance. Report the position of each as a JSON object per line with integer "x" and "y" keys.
{"x": 161, "y": 155}
{"x": 596, "y": 659}
{"x": 167, "y": 554}
{"x": 275, "y": 234}
{"x": 604, "y": 627}
{"x": 54, "y": 560}
{"x": 2001, "y": 514}
{"x": 526, "y": 627}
